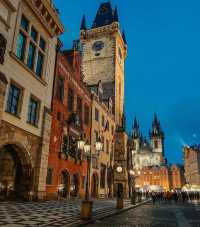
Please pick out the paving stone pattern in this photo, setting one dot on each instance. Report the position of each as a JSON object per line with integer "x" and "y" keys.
{"x": 51, "y": 213}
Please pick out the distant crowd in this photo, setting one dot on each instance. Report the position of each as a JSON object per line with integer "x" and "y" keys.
{"x": 176, "y": 196}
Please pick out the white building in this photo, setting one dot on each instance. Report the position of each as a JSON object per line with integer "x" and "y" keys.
{"x": 147, "y": 153}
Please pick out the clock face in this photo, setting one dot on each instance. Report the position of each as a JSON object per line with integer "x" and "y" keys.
{"x": 98, "y": 45}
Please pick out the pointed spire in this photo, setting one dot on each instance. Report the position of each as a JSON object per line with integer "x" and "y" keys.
{"x": 124, "y": 37}
{"x": 116, "y": 17}
{"x": 155, "y": 121}
{"x": 83, "y": 23}
{"x": 135, "y": 123}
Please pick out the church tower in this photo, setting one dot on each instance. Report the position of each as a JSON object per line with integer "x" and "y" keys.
{"x": 104, "y": 50}
{"x": 136, "y": 136}
{"x": 157, "y": 137}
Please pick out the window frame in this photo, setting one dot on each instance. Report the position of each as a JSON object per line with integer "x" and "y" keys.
{"x": 20, "y": 99}
{"x": 37, "y": 111}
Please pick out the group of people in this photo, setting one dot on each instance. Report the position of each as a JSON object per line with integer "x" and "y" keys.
{"x": 176, "y": 196}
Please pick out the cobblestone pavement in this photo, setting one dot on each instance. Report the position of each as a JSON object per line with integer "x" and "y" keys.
{"x": 51, "y": 213}
{"x": 159, "y": 215}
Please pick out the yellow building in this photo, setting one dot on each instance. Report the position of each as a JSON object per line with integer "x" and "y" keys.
{"x": 104, "y": 53}
{"x": 28, "y": 40}
{"x": 103, "y": 128}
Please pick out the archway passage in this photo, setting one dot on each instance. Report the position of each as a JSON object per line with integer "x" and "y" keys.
{"x": 15, "y": 174}
{"x": 65, "y": 184}
{"x": 74, "y": 188}
{"x": 94, "y": 186}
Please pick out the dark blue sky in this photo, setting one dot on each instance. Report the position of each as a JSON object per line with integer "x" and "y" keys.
{"x": 163, "y": 64}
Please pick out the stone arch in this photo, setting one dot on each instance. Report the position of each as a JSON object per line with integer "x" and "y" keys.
{"x": 16, "y": 171}
{"x": 75, "y": 184}
{"x": 64, "y": 184}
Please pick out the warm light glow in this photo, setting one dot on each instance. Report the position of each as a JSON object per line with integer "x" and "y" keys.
{"x": 119, "y": 169}
{"x": 87, "y": 148}
{"x": 132, "y": 172}
{"x": 99, "y": 145}
{"x": 139, "y": 172}
{"x": 81, "y": 144}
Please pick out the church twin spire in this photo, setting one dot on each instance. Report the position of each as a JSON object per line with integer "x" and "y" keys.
{"x": 156, "y": 130}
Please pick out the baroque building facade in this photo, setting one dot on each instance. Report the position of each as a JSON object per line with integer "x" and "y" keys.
{"x": 28, "y": 39}
{"x": 103, "y": 128}
{"x": 144, "y": 153}
{"x": 67, "y": 165}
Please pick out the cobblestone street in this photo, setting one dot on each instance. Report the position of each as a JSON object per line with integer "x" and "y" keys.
{"x": 159, "y": 215}
{"x": 51, "y": 213}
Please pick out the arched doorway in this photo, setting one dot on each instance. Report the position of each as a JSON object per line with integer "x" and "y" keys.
{"x": 15, "y": 173}
{"x": 64, "y": 184}
{"x": 74, "y": 188}
{"x": 94, "y": 186}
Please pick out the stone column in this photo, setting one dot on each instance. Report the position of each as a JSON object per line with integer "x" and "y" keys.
{"x": 42, "y": 164}
{"x": 3, "y": 85}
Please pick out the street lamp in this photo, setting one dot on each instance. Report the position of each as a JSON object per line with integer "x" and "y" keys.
{"x": 81, "y": 143}
{"x": 99, "y": 145}
{"x": 119, "y": 169}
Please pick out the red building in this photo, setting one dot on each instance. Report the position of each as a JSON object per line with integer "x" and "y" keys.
{"x": 71, "y": 105}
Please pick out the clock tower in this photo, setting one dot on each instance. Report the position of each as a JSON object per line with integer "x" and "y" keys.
{"x": 104, "y": 51}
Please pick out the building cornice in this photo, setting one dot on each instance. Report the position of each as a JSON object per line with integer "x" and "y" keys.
{"x": 48, "y": 16}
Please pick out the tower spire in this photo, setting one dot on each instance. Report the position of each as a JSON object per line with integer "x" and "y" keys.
{"x": 136, "y": 129}
{"x": 116, "y": 17}
{"x": 83, "y": 23}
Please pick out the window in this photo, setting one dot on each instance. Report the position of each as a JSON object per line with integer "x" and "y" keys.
{"x": 24, "y": 23}
{"x": 70, "y": 99}
{"x": 96, "y": 135}
{"x": 34, "y": 34}
{"x": 40, "y": 62}
{"x": 49, "y": 176}
{"x": 86, "y": 114}
{"x": 96, "y": 114}
{"x": 79, "y": 108}
{"x": 103, "y": 121}
{"x": 42, "y": 44}
{"x": 13, "y": 100}
{"x": 29, "y": 40}
{"x": 31, "y": 56}
{"x": 60, "y": 89}
{"x": 20, "y": 47}
{"x": 33, "y": 111}
{"x": 156, "y": 144}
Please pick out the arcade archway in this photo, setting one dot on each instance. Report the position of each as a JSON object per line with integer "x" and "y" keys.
{"x": 15, "y": 173}
{"x": 65, "y": 184}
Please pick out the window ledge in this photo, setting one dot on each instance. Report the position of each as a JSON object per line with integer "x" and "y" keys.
{"x": 35, "y": 126}
{"x": 27, "y": 69}
{"x": 14, "y": 115}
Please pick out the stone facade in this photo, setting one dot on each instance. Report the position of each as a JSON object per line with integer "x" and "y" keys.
{"x": 103, "y": 127}
{"x": 192, "y": 164}
{"x": 104, "y": 53}
{"x": 28, "y": 142}
{"x": 120, "y": 160}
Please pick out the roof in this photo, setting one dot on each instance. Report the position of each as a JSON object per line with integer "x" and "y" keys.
{"x": 105, "y": 15}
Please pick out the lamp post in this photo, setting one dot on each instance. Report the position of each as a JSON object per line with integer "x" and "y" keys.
{"x": 86, "y": 209}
